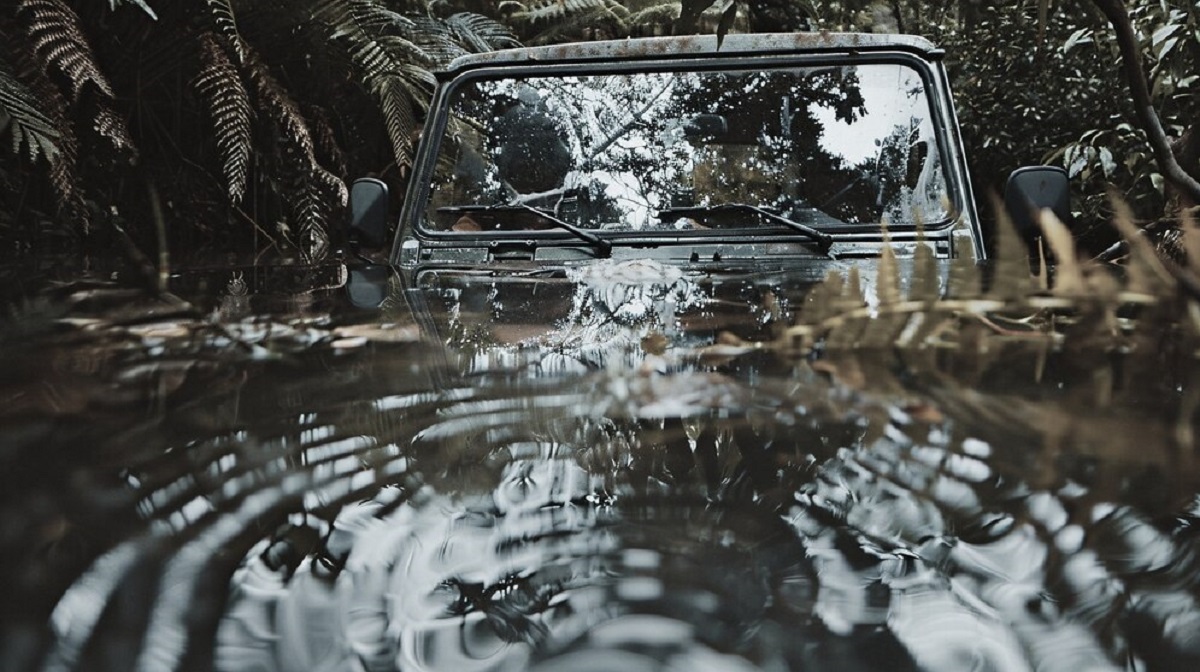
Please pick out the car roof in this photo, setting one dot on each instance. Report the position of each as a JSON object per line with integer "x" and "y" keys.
{"x": 699, "y": 45}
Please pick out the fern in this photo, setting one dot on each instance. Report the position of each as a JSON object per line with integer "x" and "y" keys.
{"x": 64, "y": 164}
{"x": 413, "y": 8}
{"x": 228, "y": 104}
{"x": 59, "y": 42}
{"x": 478, "y": 33}
{"x": 221, "y": 13}
{"x": 573, "y": 20}
{"x": 108, "y": 124}
{"x": 310, "y": 211}
{"x": 361, "y": 17}
{"x": 397, "y": 101}
{"x": 316, "y": 191}
{"x": 964, "y": 279}
{"x": 542, "y": 12}
{"x": 328, "y": 152}
{"x": 52, "y": 106}
{"x": 1011, "y": 278}
{"x": 140, "y": 4}
{"x": 656, "y": 19}
{"x": 392, "y": 67}
{"x": 436, "y": 39}
{"x": 20, "y": 113}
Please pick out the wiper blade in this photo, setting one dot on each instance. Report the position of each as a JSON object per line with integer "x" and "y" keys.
{"x": 601, "y": 245}
{"x": 824, "y": 240}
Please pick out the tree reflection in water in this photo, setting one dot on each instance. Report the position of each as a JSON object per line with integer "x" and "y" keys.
{"x": 364, "y": 503}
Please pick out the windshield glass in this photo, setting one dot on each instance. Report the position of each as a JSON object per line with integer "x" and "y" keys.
{"x": 827, "y": 146}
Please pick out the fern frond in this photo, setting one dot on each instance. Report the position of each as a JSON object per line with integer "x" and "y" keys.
{"x": 318, "y": 190}
{"x": 655, "y": 20}
{"x": 273, "y": 99}
{"x": 221, "y": 13}
{"x": 391, "y": 66}
{"x": 108, "y": 124}
{"x": 228, "y": 104}
{"x": 442, "y": 40}
{"x": 369, "y": 17}
{"x": 140, "y": 4}
{"x": 509, "y": 8}
{"x": 328, "y": 151}
{"x": 396, "y": 104}
{"x": 64, "y": 164}
{"x": 310, "y": 214}
{"x": 64, "y": 178}
{"x": 434, "y": 38}
{"x": 59, "y": 42}
{"x": 412, "y": 8}
{"x": 386, "y": 55}
{"x": 574, "y": 20}
{"x": 20, "y": 113}
{"x": 477, "y": 33}
{"x": 556, "y": 11}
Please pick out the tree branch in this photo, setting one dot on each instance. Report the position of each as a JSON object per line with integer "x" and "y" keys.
{"x": 1131, "y": 61}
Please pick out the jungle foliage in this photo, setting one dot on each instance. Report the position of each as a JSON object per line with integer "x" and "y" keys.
{"x": 237, "y": 124}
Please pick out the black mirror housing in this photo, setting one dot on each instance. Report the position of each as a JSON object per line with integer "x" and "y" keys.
{"x": 1033, "y": 188}
{"x": 367, "y": 286}
{"x": 368, "y": 212}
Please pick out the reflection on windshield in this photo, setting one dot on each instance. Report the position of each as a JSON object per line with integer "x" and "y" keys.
{"x": 825, "y": 146}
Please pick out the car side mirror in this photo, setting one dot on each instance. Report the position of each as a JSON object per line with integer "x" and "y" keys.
{"x": 368, "y": 212}
{"x": 367, "y": 286}
{"x": 1032, "y": 188}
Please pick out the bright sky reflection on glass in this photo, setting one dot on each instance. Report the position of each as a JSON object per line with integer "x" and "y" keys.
{"x": 826, "y": 146}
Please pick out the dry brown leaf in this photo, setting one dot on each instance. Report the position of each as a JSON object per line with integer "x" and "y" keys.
{"x": 1068, "y": 278}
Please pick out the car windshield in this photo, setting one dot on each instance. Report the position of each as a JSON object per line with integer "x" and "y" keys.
{"x": 827, "y": 146}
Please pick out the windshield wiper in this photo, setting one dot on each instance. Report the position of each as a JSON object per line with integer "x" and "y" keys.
{"x": 601, "y": 245}
{"x": 823, "y": 240}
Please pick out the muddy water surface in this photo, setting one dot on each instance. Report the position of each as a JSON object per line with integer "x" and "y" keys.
{"x": 210, "y": 487}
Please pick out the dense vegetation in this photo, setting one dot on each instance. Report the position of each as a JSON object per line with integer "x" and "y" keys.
{"x": 237, "y": 124}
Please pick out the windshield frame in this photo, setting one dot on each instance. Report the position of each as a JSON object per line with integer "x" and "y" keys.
{"x": 946, "y": 135}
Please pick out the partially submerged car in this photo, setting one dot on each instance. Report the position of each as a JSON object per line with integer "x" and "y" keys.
{"x": 790, "y": 154}
{"x": 368, "y": 508}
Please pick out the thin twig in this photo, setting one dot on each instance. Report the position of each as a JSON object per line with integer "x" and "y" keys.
{"x": 160, "y": 230}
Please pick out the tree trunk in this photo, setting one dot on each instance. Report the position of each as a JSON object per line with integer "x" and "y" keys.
{"x": 1147, "y": 118}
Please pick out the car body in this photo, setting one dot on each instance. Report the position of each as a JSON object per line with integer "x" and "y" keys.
{"x": 764, "y": 160}
{"x": 667, "y": 84}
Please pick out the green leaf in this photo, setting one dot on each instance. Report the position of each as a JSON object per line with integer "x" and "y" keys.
{"x": 1081, "y": 36}
{"x": 1166, "y": 47}
{"x": 1106, "y": 162}
{"x": 1163, "y": 33}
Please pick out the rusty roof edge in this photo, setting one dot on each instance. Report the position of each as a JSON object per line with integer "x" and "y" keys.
{"x": 698, "y": 45}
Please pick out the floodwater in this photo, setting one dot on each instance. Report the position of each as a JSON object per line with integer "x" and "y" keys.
{"x": 601, "y": 471}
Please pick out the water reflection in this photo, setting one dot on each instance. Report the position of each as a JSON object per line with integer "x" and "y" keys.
{"x": 327, "y": 497}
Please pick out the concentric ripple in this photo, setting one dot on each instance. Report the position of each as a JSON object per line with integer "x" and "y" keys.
{"x": 372, "y": 508}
